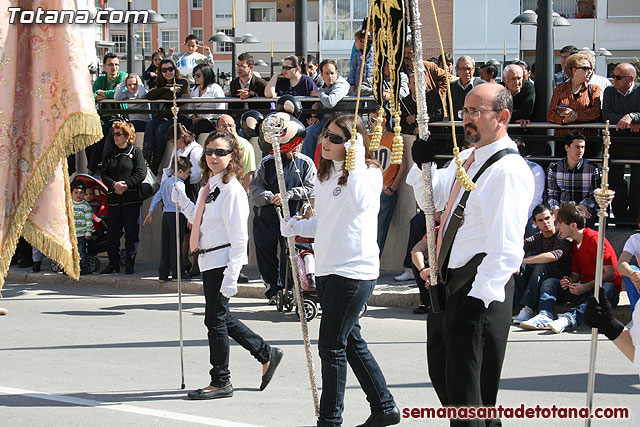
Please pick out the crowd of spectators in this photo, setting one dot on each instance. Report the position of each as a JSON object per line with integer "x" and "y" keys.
{"x": 567, "y": 186}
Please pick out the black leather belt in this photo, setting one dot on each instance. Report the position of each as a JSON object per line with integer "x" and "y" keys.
{"x": 215, "y": 248}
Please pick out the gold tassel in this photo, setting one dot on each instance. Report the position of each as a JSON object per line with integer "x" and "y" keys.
{"x": 377, "y": 132}
{"x": 350, "y": 161}
{"x": 397, "y": 148}
{"x": 77, "y": 132}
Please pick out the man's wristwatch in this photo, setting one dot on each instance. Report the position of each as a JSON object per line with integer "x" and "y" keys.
{"x": 388, "y": 188}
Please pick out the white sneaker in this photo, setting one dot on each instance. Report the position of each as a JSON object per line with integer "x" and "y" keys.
{"x": 560, "y": 324}
{"x": 406, "y": 275}
{"x": 525, "y": 314}
{"x": 541, "y": 321}
{"x": 3, "y": 311}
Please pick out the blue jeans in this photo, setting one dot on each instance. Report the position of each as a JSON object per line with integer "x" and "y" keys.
{"x": 632, "y": 292}
{"x": 385, "y": 214}
{"x": 221, "y": 325}
{"x": 82, "y": 251}
{"x": 311, "y": 139}
{"x": 340, "y": 343}
{"x": 527, "y": 283}
{"x": 551, "y": 291}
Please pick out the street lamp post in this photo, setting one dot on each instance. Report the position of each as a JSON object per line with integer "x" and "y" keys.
{"x": 221, "y": 37}
{"x": 153, "y": 17}
{"x": 545, "y": 20}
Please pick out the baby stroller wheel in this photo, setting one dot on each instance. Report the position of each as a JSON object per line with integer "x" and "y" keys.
{"x": 55, "y": 267}
{"x": 310, "y": 309}
{"x": 363, "y": 311}
{"x": 288, "y": 301}
{"x": 93, "y": 264}
{"x": 280, "y": 301}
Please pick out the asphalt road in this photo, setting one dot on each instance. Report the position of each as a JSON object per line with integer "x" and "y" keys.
{"x": 93, "y": 355}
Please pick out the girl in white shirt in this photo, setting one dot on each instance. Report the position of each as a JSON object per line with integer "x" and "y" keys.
{"x": 219, "y": 235}
{"x": 205, "y": 87}
{"x": 347, "y": 266}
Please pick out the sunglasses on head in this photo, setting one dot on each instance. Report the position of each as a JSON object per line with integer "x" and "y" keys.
{"x": 335, "y": 138}
{"x": 168, "y": 69}
{"x": 219, "y": 152}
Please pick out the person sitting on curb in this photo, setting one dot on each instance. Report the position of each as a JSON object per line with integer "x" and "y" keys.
{"x": 547, "y": 255}
{"x": 579, "y": 286}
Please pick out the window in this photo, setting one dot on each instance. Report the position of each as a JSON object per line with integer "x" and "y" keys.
{"x": 199, "y": 34}
{"x": 623, "y": 9}
{"x": 196, "y": 4}
{"x": 262, "y": 12}
{"x": 169, "y": 39}
{"x": 342, "y": 18}
{"x": 147, "y": 42}
{"x": 120, "y": 41}
{"x": 169, "y": 15}
{"x": 222, "y": 47}
{"x": 566, "y": 8}
{"x": 223, "y": 9}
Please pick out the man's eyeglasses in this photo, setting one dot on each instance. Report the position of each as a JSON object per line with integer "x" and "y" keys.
{"x": 467, "y": 69}
{"x": 287, "y": 67}
{"x": 168, "y": 69}
{"x": 585, "y": 68}
{"x": 112, "y": 64}
{"x": 219, "y": 152}
{"x": 335, "y": 138}
{"x": 617, "y": 77}
{"x": 118, "y": 134}
{"x": 474, "y": 113}
{"x": 226, "y": 126}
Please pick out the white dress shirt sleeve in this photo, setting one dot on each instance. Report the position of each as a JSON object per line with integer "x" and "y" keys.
{"x": 235, "y": 218}
{"x": 364, "y": 187}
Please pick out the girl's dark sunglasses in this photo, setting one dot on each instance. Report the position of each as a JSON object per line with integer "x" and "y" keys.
{"x": 219, "y": 152}
{"x": 334, "y": 138}
{"x": 167, "y": 69}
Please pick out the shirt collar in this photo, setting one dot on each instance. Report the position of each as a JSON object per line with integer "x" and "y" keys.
{"x": 484, "y": 153}
{"x": 578, "y": 165}
{"x": 216, "y": 181}
{"x": 633, "y": 87}
{"x": 468, "y": 84}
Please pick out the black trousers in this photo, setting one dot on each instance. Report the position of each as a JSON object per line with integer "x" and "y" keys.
{"x": 221, "y": 325}
{"x": 266, "y": 236}
{"x": 127, "y": 217}
{"x": 466, "y": 345}
{"x": 168, "y": 258}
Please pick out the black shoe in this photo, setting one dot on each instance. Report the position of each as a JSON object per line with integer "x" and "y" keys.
{"x": 274, "y": 359}
{"x": 111, "y": 269}
{"x": 421, "y": 309}
{"x": 128, "y": 269}
{"x": 242, "y": 278}
{"x": 199, "y": 394}
{"x": 164, "y": 279}
{"x": 37, "y": 265}
{"x": 380, "y": 419}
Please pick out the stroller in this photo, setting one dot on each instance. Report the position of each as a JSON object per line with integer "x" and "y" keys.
{"x": 98, "y": 243}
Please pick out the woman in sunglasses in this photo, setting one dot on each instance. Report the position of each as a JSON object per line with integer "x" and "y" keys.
{"x": 205, "y": 87}
{"x": 290, "y": 81}
{"x": 347, "y": 266}
{"x": 219, "y": 236}
{"x": 576, "y": 101}
{"x": 122, "y": 171}
{"x": 154, "y": 142}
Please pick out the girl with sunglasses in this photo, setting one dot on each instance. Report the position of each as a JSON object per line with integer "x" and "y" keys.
{"x": 347, "y": 266}
{"x": 154, "y": 143}
{"x": 219, "y": 236}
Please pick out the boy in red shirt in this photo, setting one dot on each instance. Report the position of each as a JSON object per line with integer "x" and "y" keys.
{"x": 579, "y": 286}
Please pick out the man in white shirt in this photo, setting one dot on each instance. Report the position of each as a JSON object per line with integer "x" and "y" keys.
{"x": 466, "y": 342}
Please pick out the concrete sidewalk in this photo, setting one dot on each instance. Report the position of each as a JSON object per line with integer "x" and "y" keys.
{"x": 387, "y": 292}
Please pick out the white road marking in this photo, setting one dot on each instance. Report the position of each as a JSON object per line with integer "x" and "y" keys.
{"x": 114, "y": 406}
